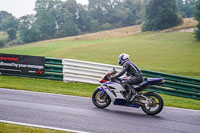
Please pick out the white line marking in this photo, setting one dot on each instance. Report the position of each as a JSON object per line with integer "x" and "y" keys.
{"x": 182, "y": 109}
{"x": 39, "y": 126}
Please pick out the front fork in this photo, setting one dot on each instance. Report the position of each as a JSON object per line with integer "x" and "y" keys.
{"x": 100, "y": 88}
{"x": 104, "y": 91}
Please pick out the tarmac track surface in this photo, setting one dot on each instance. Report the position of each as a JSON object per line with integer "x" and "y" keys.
{"x": 79, "y": 114}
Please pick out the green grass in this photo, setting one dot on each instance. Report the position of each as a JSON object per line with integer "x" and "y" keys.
{"x": 79, "y": 89}
{"x": 50, "y": 86}
{"x": 176, "y": 53}
{"x": 11, "y": 128}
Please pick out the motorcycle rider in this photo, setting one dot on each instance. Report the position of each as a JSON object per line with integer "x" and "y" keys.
{"x": 133, "y": 73}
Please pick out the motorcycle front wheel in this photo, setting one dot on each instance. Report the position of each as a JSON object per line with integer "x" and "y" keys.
{"x": 100, "y": 99}
{"x": 155, "y": 106}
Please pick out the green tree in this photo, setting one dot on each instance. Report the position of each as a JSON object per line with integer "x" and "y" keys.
{"x": 118, "y": 13}
{"x": 77, "y": 14}
{"x": 94, "y": 26}
{"x": 3, "y": 15}
{"x": 10, "y": 25}
{"x": 47, "y": 5}
{"x": 55, "y": 18}
{"x": 97, "y": 10}
{"x": 135, "y": 12}
{"x": 106, "y": 26}
{"x": 66, "y": 26}
{"x": 11, "y": 34}
{"x": 45, "y": 25}
{"x": 186, "y": 8}
{"x": 161, "y": 14}
{"x": 27, "y": 30}
{"x": 197, "y": 17}
{"x": 82, "y": 19}
{"x": 9, "y": 22}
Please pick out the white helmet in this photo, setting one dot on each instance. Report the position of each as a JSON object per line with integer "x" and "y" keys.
{"x": 122, "y": 58}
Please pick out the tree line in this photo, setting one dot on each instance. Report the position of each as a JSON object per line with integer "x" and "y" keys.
{"x": 56, "y": 18}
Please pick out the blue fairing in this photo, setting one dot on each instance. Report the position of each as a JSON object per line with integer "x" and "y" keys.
{"x": 120, "y": 102}
{"x": 107, "y": 83}
{"x": 100, "y": 89}
{"x": 152, "y": 81}
{"x": 134, "y": 105}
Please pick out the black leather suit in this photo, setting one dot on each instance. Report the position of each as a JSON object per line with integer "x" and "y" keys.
{"x": 132, "y": 71}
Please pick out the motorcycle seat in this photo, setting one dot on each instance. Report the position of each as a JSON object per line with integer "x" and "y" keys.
{"x": 138, "y": 86}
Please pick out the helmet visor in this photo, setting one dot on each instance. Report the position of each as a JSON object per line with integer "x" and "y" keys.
{"x": 120, "y": 62}
{"x": 120, "y": 59}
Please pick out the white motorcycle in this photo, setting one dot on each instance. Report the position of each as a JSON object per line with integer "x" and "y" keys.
{"x": 150, "y": 102}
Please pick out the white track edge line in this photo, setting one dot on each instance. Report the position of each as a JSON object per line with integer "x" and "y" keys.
{"x": 184, "y": 109}
{"x": 44, "y": 127}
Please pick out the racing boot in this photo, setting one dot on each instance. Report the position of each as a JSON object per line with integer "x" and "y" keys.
{"x": 134, "y": 95}
{"x": 128, "y": 91}
{"x": 131, "y": 93}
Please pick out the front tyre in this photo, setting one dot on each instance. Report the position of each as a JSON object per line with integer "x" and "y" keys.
{"x": 100, "y": 99}
{"x": 155, "y": 106}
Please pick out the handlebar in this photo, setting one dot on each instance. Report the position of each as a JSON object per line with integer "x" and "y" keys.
{"x": 118, "y": 80}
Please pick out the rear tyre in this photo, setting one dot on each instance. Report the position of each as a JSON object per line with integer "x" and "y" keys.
{"x": 156, "y": 106}
{"x": 100, "y": 100}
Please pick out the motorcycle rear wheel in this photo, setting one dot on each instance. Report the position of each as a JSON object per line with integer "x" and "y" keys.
{"x": 100, "y": 100}
{"x": 157, "y": 101}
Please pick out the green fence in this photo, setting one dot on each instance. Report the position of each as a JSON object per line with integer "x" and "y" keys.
{"x": 53, "y": 69}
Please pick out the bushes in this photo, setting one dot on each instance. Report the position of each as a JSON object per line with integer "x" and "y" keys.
{"x": 106, "y": 26}
{"x": 3, "y": 42}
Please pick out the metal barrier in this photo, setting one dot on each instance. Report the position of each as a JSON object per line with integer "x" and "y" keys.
{"x": 90, "y": 72}
{"x": 83, "y": 71}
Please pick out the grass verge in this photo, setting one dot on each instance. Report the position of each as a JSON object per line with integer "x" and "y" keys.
{"x": 11, "y": 128}
{"x": 79, "y": 89}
